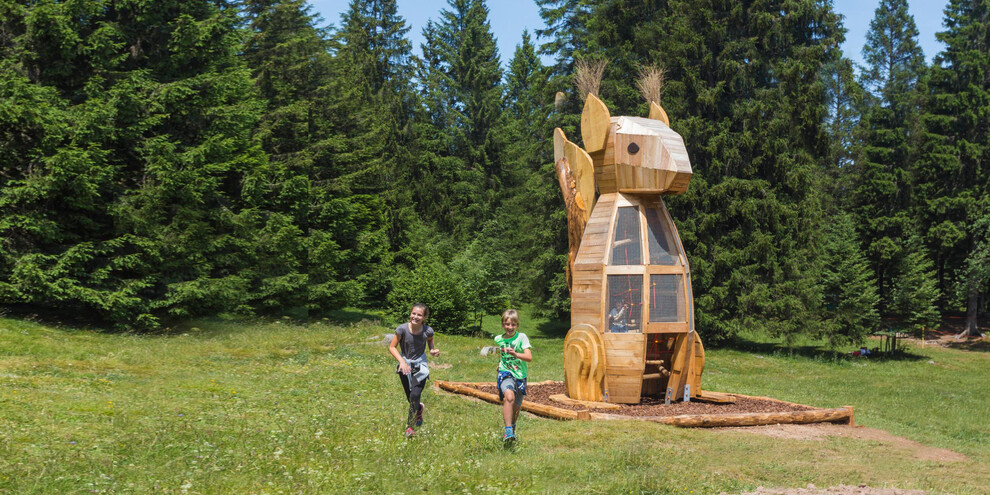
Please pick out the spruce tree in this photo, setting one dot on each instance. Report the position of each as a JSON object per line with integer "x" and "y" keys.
{"x": 849, "y": 291}
{"x": 745, "y": 94}
{"x": 915, "y": 293}
{"x": 290, "y": 62}
{"x": 463, "y": 92}
{"x": 535, "y": 237}
{"x": 881, "y": 182}
{"x": 361, "y": 171}
{"x": 843, "y": 96}
{"x": 952, "y": 175}
{"x": 134, "y": 212}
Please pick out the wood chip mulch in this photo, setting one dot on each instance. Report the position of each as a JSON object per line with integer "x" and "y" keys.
{"x": 654, "y": 406}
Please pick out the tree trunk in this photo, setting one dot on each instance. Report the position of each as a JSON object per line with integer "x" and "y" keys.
{"x": 972, "y": 310}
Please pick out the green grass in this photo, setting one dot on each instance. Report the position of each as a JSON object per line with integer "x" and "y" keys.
{"x": 222, "y": 407}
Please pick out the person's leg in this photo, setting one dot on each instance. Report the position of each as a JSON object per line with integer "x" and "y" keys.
{"x": 507, "y": 394}
{"x": 517, "y": 406}
{"x": 405, "y": 384}
{"x": 415, "y": 394}
{"x": 508, "y": 404}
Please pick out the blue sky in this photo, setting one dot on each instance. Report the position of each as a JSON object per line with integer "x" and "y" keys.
{"x": 510, "y": 17}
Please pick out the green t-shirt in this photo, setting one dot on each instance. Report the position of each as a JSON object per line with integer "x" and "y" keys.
{"x": 510, "y": 363}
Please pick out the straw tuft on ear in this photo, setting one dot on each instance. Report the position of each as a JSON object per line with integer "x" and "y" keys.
{"x": 650, "y": 82}
{"x": 588, "y": 76}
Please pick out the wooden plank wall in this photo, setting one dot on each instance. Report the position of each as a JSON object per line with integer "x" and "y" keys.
{"x": 586, "y": 292}
{"x": 625, "y": 354}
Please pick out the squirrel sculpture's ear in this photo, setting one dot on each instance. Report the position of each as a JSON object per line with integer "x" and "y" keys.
{"x": 594, "y": 124}
{"x": 657, "y": 113}
{"x": 559, "y": 139}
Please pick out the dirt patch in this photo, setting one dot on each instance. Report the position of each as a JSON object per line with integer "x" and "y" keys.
{"x": 947, "y": 335}
{"x": 834, "y": 490}
{"x": 951, "y": 341}
{"x": 654, "y": 406}
{"x": 818, "y": 431}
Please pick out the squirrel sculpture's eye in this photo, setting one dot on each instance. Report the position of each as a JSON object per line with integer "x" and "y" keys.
{"x": 633, "y": 148}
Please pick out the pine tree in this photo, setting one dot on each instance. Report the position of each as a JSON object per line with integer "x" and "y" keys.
{"x": 952, "y": 175}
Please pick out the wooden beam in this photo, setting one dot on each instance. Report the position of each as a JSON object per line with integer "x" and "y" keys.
{"x": 656, "y": 376}
{"x": 563, "y": 399}
{"x": 716, "y": 397}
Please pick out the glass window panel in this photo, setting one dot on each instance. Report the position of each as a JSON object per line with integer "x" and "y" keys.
{"x": 626, "y": 246}
{"x": 663, "y": 251}
{"x": 625, "y": 303}
{"x": 666, "y": 298}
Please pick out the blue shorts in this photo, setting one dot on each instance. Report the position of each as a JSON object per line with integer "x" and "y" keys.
{"x": 506, "y": 381}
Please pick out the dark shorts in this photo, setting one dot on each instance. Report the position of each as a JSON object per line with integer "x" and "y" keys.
{"x": 505, "y": 381}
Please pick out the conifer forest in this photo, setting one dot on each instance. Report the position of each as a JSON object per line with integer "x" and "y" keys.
{"x": 169, "y": 159}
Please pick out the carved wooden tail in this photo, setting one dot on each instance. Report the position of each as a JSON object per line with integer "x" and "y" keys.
{"x": 576, "y": 176}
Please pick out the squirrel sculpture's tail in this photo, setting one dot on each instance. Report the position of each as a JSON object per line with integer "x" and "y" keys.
{"x": 576, "y": 176}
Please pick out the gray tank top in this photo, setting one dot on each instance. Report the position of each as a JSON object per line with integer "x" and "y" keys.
{"x": 412, "y": 346}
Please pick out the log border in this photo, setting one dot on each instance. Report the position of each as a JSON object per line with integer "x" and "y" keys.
{"x": 841, "y": 415}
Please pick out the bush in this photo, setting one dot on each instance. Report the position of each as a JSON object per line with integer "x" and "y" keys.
{"x": 432, "y": 283}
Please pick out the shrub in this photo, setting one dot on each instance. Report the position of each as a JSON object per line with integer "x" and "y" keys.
{"x": 432, "y": 283}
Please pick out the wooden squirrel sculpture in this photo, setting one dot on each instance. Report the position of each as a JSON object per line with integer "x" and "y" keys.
{"x": 632, "y": 326}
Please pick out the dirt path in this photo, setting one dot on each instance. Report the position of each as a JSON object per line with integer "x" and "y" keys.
{"x": 821, "y": 430}
{"x": 834, "y": 490}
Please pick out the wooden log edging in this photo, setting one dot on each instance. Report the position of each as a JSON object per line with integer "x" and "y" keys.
{"x": 539, "y": 409}
{"x": 837, "y": 415}
{"x": 843, "y": 415}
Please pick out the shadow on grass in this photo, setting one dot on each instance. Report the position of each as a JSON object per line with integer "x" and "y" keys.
{"x": 350, "y": 316}
{"x": 553, "y": 329}
{"x": 976, "y": 345}
{"x": 743, "y": 344}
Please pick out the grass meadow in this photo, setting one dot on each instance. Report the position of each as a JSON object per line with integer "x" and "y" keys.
{"x": 277, "y": 407}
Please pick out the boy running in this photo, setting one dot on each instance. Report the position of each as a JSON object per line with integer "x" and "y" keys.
{"x": 512, "y": 370}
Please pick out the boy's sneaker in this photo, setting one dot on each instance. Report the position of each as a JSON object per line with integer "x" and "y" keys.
{"x": 410, "y": 432}
{"x": 510, "y": 435}
{"x": 419, "y": 415}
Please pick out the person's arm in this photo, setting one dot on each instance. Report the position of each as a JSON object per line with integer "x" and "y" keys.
{"x": 393, "y": 349}
{"x": 433, "y": 350}
{"x": 525, "y": 355}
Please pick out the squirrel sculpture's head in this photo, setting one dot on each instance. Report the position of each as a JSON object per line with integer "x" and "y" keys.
{"x": 632, "y": 155}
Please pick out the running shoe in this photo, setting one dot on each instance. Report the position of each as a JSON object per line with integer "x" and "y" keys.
{"x": 419, "y": 415}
